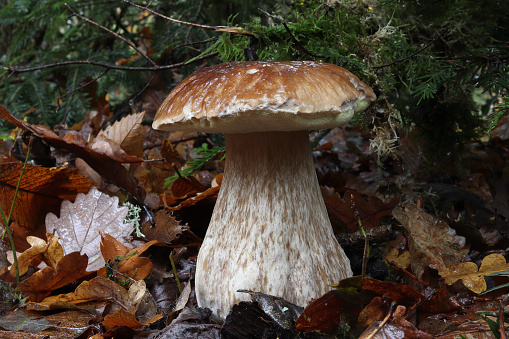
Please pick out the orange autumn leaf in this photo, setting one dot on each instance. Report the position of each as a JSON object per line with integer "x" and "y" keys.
{"x": 123, "y": 318}
{"x": 71, "y": 267}
{"x": 130, "y": 264}
{"x": 471, "y": 276}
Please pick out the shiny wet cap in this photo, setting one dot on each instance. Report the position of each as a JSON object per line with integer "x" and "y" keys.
{"x": 257, "y": 96}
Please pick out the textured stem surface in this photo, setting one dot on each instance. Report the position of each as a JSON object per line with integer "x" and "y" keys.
{"x": 270, "y": 231}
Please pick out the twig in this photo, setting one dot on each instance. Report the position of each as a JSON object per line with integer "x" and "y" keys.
{"x": 214, "y": 28}
{"x": 413, "y": 54}
{"x": 133, "y": 46}
{"x": 299, "y": 45}
{"x": 109, "y": 67}
{"x": 80, "y": 87}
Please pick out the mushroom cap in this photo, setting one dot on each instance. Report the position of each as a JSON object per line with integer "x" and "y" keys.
{"x": 257, "y": 96}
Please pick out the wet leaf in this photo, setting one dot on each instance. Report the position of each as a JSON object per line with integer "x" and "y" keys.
{"x": 41, "y": 190}
{"x": 71, "y": 267}
{"x": 471, "y": 276}
{"x": 402, "y": 294}
{"x": 397, "y": 327}
{"x": 127, "y": 133}
{"x": 130, "y": 264}
{"x": 110, "y": 168}
{"x": 431, "y": 242}
{"x": 123, "y": 318}
{"x": 81, "y": 223}
{"x": 323, "y": 314}
{"x": 370, "y": 210}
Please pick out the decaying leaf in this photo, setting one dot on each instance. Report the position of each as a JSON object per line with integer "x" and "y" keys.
{"x": 397, "y": 327}
{"x": 71, "y": 267}
{"x": 50, "y": 252}
{"x": 123, "y": 318}
{"x": 324, "y": 314}
{"x": 127, "y": 261}
{"x": 370, "y": 210}
{"x": 430, "y": 240}
{"x": 99, "y": 289}
{"x": 473, "y": 278}
{"x": 127, "y": 133}
{"x": 81, "y": 223}
{"x": 110, "y": 168}
{"x": 41, "y": 190}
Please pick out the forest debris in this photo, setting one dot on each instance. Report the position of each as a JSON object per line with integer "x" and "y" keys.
{"x": 81, "y": 223}
{"x": 127, "y": 133}
{"x": 432, "y": 243}
{"x": 354, "y": 206}
{"x": 124, "y": 261}
{"x": 471, "y": 276}
{"x": 41, "y": 190}
{"x": 71, "y": 267}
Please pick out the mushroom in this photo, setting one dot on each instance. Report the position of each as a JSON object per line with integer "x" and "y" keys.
{"x": 269, "y": 231}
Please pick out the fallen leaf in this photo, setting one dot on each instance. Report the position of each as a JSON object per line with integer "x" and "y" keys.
{"x": 431, "y": 242}
{"x": 99, "y": 289}
{"x": 401, "y": 294}
{"x": 71, "y": 267}
{"x": 323, "y": 314}
{"x": 127, "y": 261}
{"x": 397, "y": 327}
{"x": 41, "y": 190}
{"x": 370, "y": 210}
{"x": 127, "y": 133}
{"x": 110, "y": 168}
{"x": 123, "y": 318}
{"x": 471, "y": 276}
{"x": 81, "y": 223}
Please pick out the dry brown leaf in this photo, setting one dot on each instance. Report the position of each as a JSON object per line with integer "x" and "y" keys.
{"x": 71, "y": 267}
{"x": 81, "y": 223}
{"x": 130, "y": 264}
{"x": 42, "y": 190}
{"x": 110, "y": 168}
{"x": 370, "y": 210}
{"x": 431, "y": 241}
{"x": 31, "y": 257}
{"x": 127, "y": 133}
{"x": 473, "y": 278}
{"x": 123, "y": 318}
{"x": 99, "y": 288}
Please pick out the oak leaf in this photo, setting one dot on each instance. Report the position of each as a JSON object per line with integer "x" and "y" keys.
{"x": 129, "y": 264}
{"x": 471, "y": 276}
{"x": 69, "y": 268}
{"x": 81, "y": 223}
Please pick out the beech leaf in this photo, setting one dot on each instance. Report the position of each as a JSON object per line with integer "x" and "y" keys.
{"x": 81, "y": 224}
{"x": 473, "y": 278}
{"x": 128, "y": 133}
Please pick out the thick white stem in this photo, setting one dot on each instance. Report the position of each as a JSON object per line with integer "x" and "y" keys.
{"x": 270, "y": 231}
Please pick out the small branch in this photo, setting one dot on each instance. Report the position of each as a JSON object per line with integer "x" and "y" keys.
{"x": 109, "y": 67}
{"x": 79, "y": 88}
{"x": 413, "y": 54}
{"x": 133, "y": 46}
{"x": 299, "y": 45}
{"x": 214, "y": 28}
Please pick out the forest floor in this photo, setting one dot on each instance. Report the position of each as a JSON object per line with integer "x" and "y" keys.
{"x": 437, "y": 237}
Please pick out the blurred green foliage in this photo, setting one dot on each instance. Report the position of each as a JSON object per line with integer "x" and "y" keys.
{"x": 436, "y": 66}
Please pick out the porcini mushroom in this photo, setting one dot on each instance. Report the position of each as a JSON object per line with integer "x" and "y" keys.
{"x": 269, "y": 231}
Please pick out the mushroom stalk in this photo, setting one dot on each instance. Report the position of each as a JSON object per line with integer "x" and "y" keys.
{"x": 269, "y": 231}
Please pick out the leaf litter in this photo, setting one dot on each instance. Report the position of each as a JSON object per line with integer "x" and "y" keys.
{"x": 90, "y": 261}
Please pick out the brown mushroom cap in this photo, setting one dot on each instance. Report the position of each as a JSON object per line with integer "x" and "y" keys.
{"x": 256, "y": 96}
